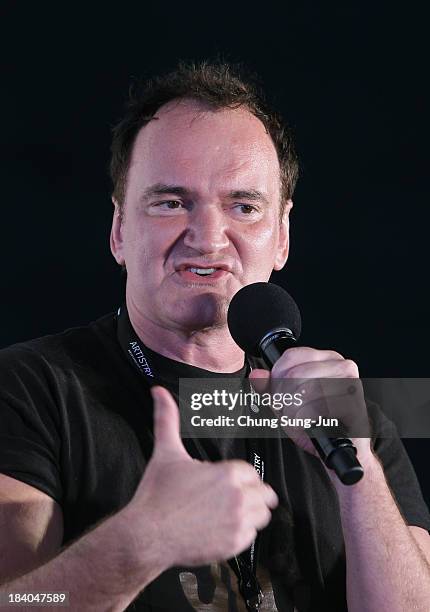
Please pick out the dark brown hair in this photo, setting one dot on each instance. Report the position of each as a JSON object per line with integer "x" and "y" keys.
{"x": 220, "y": 85}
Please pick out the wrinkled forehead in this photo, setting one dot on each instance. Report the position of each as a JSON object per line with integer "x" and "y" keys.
{"x": 190, "y": 141}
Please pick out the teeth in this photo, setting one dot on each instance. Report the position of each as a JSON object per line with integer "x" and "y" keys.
{"x": 202, "y": 270}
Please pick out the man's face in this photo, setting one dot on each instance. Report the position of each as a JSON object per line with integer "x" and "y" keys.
{"x": 203, "y": 191}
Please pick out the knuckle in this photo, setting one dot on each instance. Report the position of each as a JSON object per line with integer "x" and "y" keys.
{"x": 297, "y": 371}
{"x": 266, "y": 518}
{"x": 270, "y": 495}
{"x": 228, "y": 471}
{"x": 351, "y": 368}
{"x": 289, "y": 358}
{"x": 236, "y": 470}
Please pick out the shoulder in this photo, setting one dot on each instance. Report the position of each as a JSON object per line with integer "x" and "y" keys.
{"x": 48, "y": 354}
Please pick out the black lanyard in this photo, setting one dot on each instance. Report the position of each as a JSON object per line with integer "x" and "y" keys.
{"x": 245, "y": 564}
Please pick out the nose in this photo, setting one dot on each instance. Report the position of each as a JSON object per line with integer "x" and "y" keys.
{"x": 206, "y": 230}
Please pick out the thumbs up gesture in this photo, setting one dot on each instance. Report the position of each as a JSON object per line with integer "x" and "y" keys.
{"x": 201, "y": 512}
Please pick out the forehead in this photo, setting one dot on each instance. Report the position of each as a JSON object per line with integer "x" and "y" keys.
{"x": 189, "y": 141}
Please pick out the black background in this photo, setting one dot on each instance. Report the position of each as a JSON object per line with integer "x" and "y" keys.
{"x": 351, "y": 80}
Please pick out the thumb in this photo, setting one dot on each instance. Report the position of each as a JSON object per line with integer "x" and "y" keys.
{"x": 167, "y": 437}
{"x": 260, "y": 380}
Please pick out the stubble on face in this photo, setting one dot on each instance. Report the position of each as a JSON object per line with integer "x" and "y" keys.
{"x": 206, "y": 151}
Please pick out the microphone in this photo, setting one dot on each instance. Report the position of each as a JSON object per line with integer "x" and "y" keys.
{"x": 265, "y": 321}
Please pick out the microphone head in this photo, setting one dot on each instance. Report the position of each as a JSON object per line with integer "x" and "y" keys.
{"x": 257, "y": 309}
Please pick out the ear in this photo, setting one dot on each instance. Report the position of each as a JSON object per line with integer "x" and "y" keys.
{"x": 284, "y": 238}
{"x": 116, "y": 241}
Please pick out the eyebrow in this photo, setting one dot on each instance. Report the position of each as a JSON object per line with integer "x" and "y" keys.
{"x": 248, "y": 194}
{"x": 164, "y": 189}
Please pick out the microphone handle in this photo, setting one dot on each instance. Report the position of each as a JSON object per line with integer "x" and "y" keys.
{"x": 338, "y": 454}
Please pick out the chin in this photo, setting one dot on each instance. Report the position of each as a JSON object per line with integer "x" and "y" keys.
{"x": 202, "y": 311}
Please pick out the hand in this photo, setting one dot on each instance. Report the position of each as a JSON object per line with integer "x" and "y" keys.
{"x": 202, "y": 512}
{"x": 308, "y": 369}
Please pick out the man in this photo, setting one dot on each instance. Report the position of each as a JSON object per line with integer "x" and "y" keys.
{"x": 203, "y": 179}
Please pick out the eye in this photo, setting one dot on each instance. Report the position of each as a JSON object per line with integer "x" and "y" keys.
{"x": 247, "y": 209}
{"x": 166, "y": 207}
{"x": 170, "y": 204}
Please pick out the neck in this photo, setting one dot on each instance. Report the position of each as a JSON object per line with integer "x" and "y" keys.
{"x": 211, "y": 349}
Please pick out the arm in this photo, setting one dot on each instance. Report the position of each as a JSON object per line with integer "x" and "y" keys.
{"x": 386, "y": 568}
{"x": 99, "y": 571}
{"x": 31, "y": 527}
{"x": 388, "y": 563}
{"x": 164, "y": 525}
{"x": 103, "y": 570}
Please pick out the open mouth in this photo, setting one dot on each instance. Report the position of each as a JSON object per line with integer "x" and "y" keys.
{"x": 192, "y": 273}
{"x": 202, "y": 271}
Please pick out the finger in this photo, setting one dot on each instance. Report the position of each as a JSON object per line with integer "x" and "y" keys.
{"x": 332, "y": 368}
{"x": 167, "y": 437}
{"x": 263, "y": 518}
{"x": 270, "y": 498}
{"x": 261, "y": 492}
{"x": 339, "y": 415}
{"x": 238, "y": 471}
{"x": 259, "y": 504}
{"x": 260, "y": 380}
{"x": 303, "y": 354}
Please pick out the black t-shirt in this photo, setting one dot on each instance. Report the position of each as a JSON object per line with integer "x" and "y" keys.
{"x": 76, "y": 423}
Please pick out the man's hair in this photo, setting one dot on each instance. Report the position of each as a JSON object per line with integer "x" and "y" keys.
{"x": 219, "y": 85}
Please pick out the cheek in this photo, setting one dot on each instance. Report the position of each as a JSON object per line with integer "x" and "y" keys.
{"x": 260, "y": 244}
{"x": 148, "y": 247}
{"x": 139, "y": 247}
